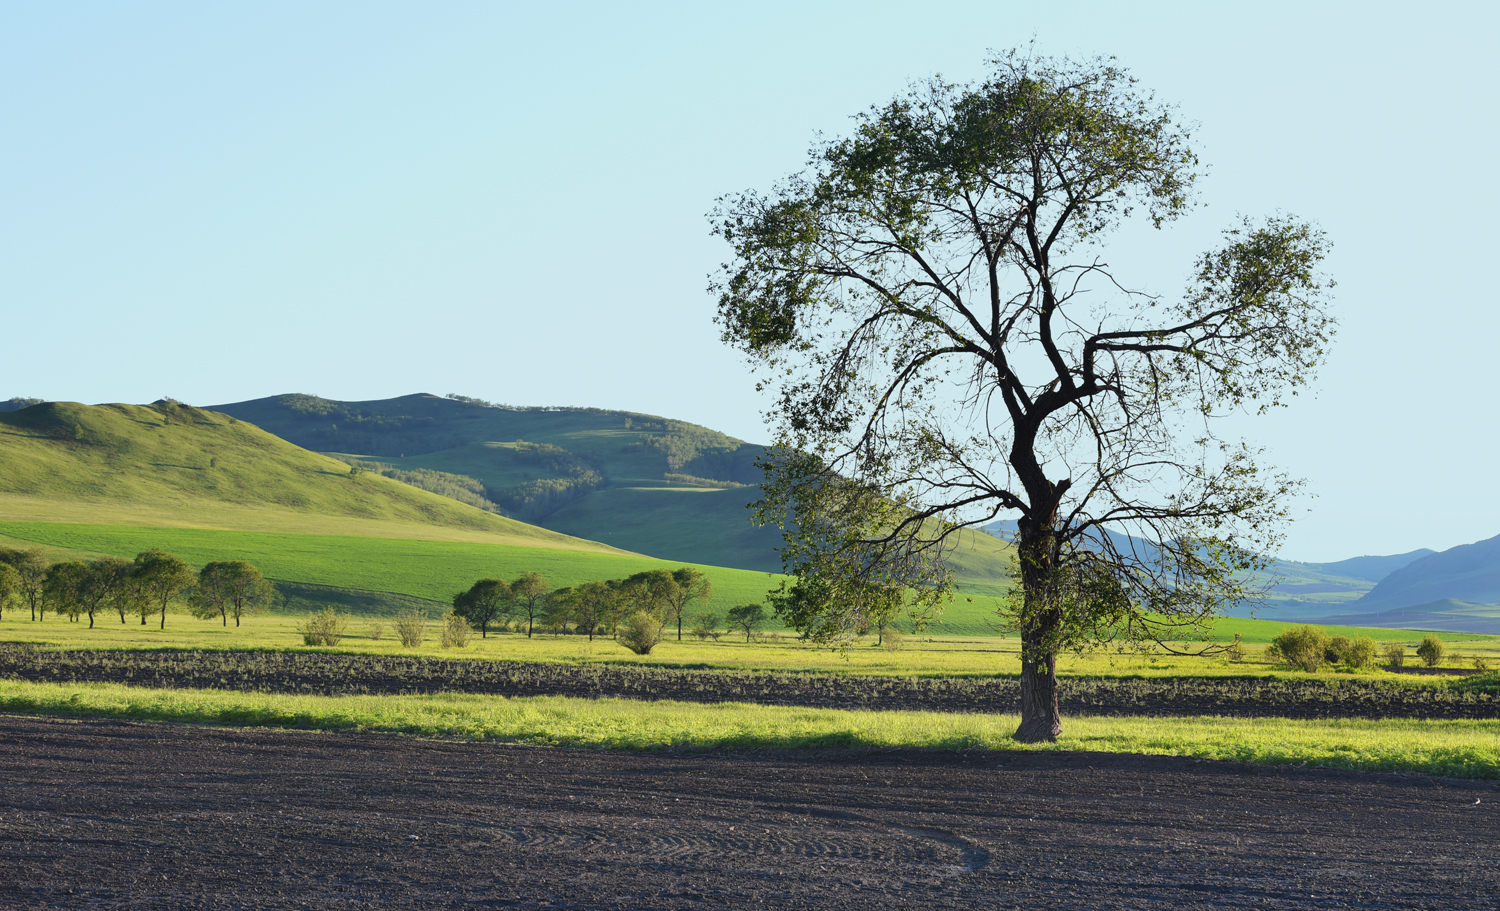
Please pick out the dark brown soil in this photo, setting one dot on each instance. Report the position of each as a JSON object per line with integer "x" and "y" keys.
{"x": 305, "y": 672}
{"x": 110, "y": 814}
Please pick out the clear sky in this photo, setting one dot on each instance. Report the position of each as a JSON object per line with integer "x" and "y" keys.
{"x": 223, "y": 201}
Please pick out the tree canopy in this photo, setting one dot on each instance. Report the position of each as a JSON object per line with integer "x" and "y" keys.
{"x": 932, "y": 302}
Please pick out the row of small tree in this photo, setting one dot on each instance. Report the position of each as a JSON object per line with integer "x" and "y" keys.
{"x": 635, "y": 610}
{"x": 143, "y": 587}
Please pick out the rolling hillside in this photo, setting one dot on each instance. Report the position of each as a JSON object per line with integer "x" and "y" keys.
{"x": 174, "y": 465}
{"x": 652, "y": 485}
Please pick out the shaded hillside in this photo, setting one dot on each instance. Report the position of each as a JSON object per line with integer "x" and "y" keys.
{"x": 1469, "y": 572}
{"x": 652, "y": 485}
{"x": 72, "y": 462}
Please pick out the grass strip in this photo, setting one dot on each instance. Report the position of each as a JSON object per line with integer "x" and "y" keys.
{"x": 1463, "y": 749}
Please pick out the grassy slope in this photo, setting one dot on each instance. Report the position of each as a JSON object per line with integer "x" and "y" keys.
{"x": 141, "y": 464}
{"x": 641, "y": 511}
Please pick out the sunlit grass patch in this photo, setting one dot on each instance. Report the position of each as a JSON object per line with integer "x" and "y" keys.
{"x": 1469, "y": 749}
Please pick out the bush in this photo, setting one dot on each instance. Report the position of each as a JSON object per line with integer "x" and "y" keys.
{"x": 1304, "y": 647}
{"x": 706, "y": 624}
{"x": 1235, "y": 651}
{"x": 376, "y": 630}
{"x": 1353, "y": 653}
{"x": 323, "y": 628}
{"x": 1395, "y": 654}
{"x": 1481, "y": 663}
{"x": 892, "y": 639}
{"x": 640, "y": 632}
{"x": 411, "y": 627}
{"x": 1431, "y": 651}
{"x": 456, "y": 631}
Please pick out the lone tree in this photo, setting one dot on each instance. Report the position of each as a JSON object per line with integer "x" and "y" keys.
{"x": 930, "y": 298}
{"x": 692, "y": 585}
{"x": 487, "y": 601}
{"x": 747, "y": 617}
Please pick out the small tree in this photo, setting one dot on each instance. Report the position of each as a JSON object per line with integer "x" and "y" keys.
{"x": 692, "y": 585}
{"x": 10, "y": 585}
{"x": 1431, "y": 651}
{"x": 63, "y": 587}
{"x": 487, "y": 601}
{"x": 652, "y": 591}
{"x": 31, "y": 572}
{"x": 162, "y": 578}
{"x": 230, "y": 588}
{"x": 706, "y": 624}
{"x": 530, "y": 593}
{"x": 641, "y": 631}
{"x": 1395, "y": 654}
{"x": 747, "y": 617}
{"x": 592, "y": 605}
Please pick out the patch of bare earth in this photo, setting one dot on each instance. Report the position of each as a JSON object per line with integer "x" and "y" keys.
{"x": 108, "y": 814}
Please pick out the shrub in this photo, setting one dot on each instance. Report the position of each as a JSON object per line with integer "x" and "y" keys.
{"x": 706, "y": 624}
{"x": 323, "y": 628}
{"x": 456, "y": 631}
{"x": 1352, "y": 653}
{"x": 411, "y": 627}
{"x": 893, "y": 639}
{"x": 1431, "y": 651}
{"x": 1481, "y": 663}
{"x": 1395, "y": 654}
{"x": 376, "y": 630}
{"x": 640, "y": 632}
{"x": 1304, "y": 647}
{"x": 1235, "y": 651}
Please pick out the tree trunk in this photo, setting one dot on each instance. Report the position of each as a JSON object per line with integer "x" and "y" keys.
{"x": 1041, "y": 718}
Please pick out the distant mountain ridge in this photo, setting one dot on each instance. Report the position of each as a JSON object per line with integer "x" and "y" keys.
{"x": 1468, "y": 572}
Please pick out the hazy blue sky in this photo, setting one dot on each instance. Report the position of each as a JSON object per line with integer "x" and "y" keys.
{"x": 220, "y": 201}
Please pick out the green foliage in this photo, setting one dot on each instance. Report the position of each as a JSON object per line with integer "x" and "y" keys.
{"x": 456, "y": 630}
{"x": 31, "y": 577}
{"x": 1488, "y": 683}
{"x": 1356, "y": 653}
{"x": 530, "y": 597}
{"x": 161, "y": 577}
{"x": 10, "y": 585}
{"x": 487, "y": 602}
{"x": 1431, "y": 650}
{"x": 63, "y": 589}
{"x": 747, "y": 617}
{"x": 919, "y": 300}
{"x": 323, "y": 628}
{"x": 411, "y": 627}
{"x": 230, "y": 588}
{"x": 640, "y": 632}
{"x": 458, "y": 487}
{"x": 706, "y": 625}
{"x": 1304, "y": 647}
{"x": 1395, "y": 654}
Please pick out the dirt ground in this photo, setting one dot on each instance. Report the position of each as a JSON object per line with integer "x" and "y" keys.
{"x": 109, "y": 814}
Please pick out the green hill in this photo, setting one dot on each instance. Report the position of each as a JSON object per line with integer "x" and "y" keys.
{"x": 174, "y": 465}
{"x": 643, "y": 483}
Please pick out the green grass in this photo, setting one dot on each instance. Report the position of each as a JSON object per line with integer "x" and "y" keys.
{"x": 1466, "y": 749}
{"x": 920, "y": 657}
{"x": 65, "y": 461}
{"x": 432, "y": 570}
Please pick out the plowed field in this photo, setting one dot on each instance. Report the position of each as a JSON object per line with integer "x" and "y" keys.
{"x": 106, "y": 814}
